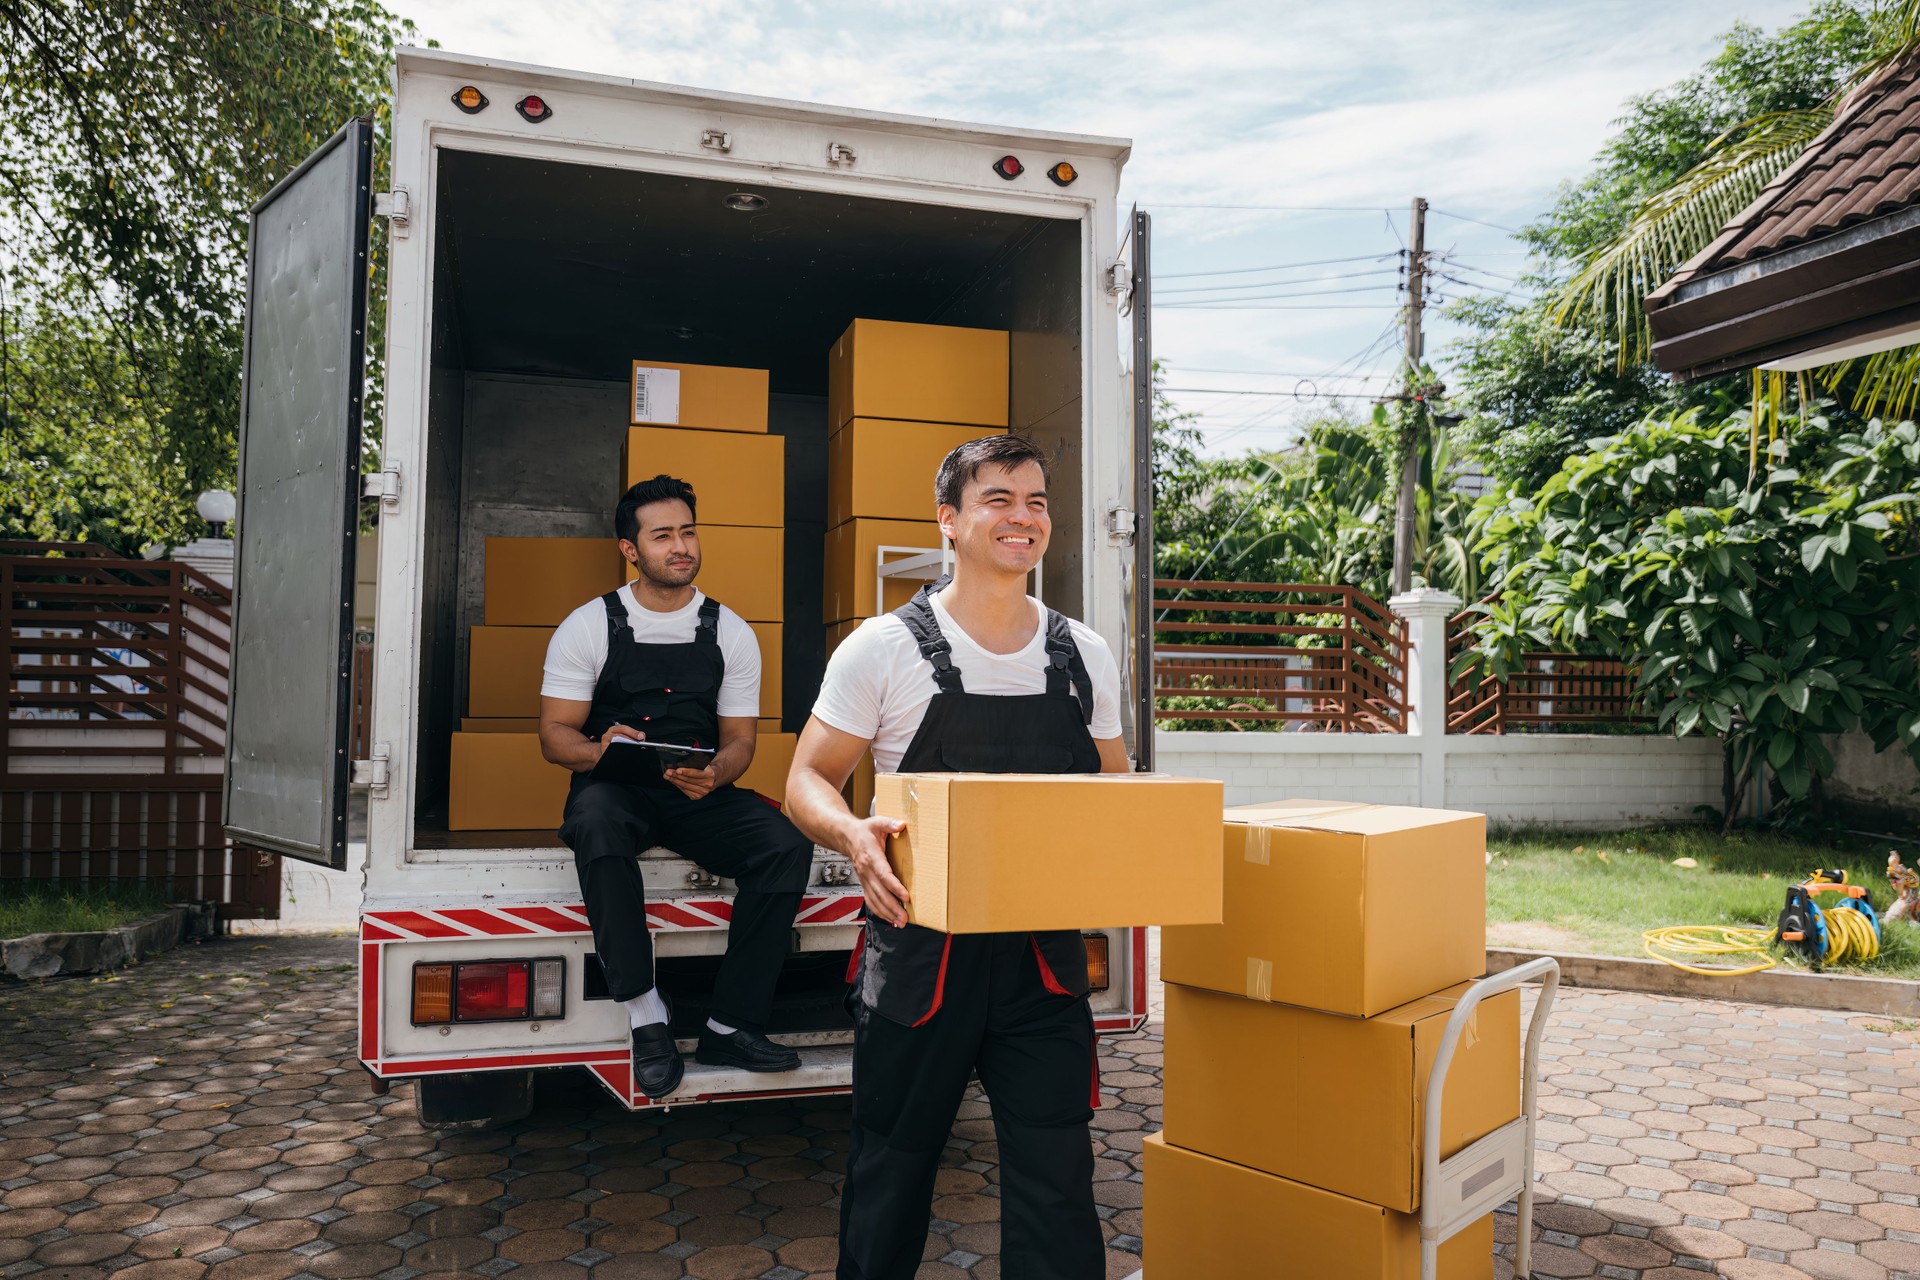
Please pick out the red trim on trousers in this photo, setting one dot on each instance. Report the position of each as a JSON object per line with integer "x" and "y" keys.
{"x": 939, "y": 983}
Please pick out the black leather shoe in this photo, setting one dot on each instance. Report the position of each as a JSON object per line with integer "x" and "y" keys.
{"x": 657, "y": 1065}
{"x": 745, "y": 1050}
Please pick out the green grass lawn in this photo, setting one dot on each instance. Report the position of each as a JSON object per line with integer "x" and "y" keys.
{"x": 45, "y": 908}
{"x": 1596, "y": 892}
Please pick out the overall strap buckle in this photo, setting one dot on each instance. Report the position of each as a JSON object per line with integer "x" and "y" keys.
{"x": 1066, "y": 670}
{"x": 616, "y": 614}
{"x": 706, "y": 628}
{"x": 924, "y": 627}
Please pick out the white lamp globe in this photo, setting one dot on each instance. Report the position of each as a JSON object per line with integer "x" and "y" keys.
{"x": 216, "y": 506}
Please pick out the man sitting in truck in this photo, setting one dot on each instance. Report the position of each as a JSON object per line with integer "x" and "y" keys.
{"x": 979, "y": 677}
{"x": 657, "y": 661}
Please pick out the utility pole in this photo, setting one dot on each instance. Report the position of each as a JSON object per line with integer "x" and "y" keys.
{"x": 1410, "y": 402}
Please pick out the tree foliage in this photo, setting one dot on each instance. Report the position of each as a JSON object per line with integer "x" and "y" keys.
{"x": 1771, "y": 608}
{"x": 139, "y": 134}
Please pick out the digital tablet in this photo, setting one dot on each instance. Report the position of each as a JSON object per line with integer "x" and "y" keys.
{"x": 628, "y": 760}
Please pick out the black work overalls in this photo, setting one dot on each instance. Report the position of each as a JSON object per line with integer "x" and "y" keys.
{"x": 931, "y": 1008}
{"x": 671, "y": 693}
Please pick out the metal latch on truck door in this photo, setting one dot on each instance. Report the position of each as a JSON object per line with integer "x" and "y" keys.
{"x": 1122, "y": 525}
{"x": 374, "y": 774}
{"x": 396, "y": 206}
{"x": 383, "y": 484}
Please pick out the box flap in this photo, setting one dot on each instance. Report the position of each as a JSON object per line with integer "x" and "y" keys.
{"x": 1352, "y": 819}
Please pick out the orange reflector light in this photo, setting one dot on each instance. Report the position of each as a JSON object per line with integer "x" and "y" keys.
{"x": 470, "y": 100}
{"x": 432, "y": 994}
{"x": 1009, "y": 167}
{"x": 1062, "y": 174}
{"x": 1098, "y": 975}
{"x": 533, "y": 108}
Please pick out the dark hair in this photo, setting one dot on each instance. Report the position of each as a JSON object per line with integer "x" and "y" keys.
{"x": 626, "y": 516}
{"x": 964, "y": 463}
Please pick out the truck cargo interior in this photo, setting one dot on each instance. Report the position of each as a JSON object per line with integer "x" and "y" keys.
{"x": 550, "y": 279}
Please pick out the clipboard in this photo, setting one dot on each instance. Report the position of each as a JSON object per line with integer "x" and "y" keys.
{"x": 630, "y": 760}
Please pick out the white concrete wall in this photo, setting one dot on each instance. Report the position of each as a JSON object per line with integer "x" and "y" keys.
{"x": 1549, "y": 779}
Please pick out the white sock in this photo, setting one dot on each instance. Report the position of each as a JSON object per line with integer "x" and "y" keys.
{"x": 646, "y": 1009}
{"x": 719, "y": 1028}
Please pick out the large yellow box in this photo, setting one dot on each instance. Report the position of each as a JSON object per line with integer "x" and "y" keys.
{"x": 709, "y": 396}
{"x": 917, "y": 372}
{"x": 499, "y": 724}
{"x": 502, "y": 782}
{"x": 993, "y": 853}
{"x": 736, "y": 478}
{"x": 884, "y": 470}
{"x": 772, "y": 681}
{"x": 1334, "y": 1102}
{"x": 852, "y": 564}
{"x": 772, "y": 758}
{"x": 1353, "y": 909}
{"x": 1210, "y": 1218}
{"x": 504, "y": 668}
{"x": 744, "y": 569}
{"x": 537, "y": 582}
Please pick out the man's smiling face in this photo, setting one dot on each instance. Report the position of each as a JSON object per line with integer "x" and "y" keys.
{"x": 1001, "y": 524}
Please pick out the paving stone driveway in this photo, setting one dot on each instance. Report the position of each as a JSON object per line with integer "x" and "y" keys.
{"x": 202, "y": 1116}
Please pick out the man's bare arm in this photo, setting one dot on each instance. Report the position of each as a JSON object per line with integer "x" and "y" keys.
{"x": 561, "y": 741}
{"x": 822, "y": 762}
{"x": 1113, "y": 755}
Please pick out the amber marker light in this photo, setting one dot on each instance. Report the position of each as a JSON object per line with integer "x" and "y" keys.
{"x": 1099, "y": 978}
{"x": 1063, "y": 174}
{"x": 470, "y": 100}
{"x": 432, "y": 994}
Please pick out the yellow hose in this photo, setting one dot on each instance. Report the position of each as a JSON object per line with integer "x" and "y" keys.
{"x": 1694, "y": 942}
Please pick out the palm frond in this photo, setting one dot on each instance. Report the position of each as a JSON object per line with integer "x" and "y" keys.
{"x": 1673, "y": 225}
{"x": 1889, "y": 383}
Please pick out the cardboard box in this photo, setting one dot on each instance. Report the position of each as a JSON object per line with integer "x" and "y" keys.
{"x": 1334, "y": 1102}
{"x": 991, "y": 853}
{"x": 917, "y": 372}
{"x": 504, "y": 668}
{"x": 744, "y": 569}
{"x": 772, "y": 758}
{"x": 853, "y": 560}
{"x": 501, "y": 782}
{"x": 1353, "y": 909}
{"x": 1207, "y": 1217}
{"x": 708, "y": 396}
{"x": 498, "y": 724}
{"x": 736, "y": 478}
{"x": 772, "y": 662}
{"x": 884, "y": 469}
{"x": 537, "y": 582}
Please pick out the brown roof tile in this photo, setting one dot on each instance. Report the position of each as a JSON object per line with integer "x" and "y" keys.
{"x": 1866, "y": 165}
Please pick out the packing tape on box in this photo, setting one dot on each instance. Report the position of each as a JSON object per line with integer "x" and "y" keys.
{"x": 1259, "y": 979}
{"x": 1258, "y": 849}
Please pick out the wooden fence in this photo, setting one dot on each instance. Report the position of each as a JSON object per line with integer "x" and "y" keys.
{"x": 1565, "y": 692}
{"x": 111, "y": 756}
{"x": 1313, "y": 657}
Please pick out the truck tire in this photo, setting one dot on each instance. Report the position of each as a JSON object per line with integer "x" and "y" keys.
{"x": 473, "y": 1099}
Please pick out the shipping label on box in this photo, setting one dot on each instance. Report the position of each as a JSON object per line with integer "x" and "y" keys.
{"x": 737, "y": 478}
{"x": 881, "y": 469}
{"x": 917, "y": 373}
{"x": 996, "y": 853}
{"x": 1332, "y": 1101}
{"x": 1210, "y": 1218}
{"x": 537, "y": 582}
{"x": 1349, "y": 908}
{"x": 501, "y": 782}
{"x": 504, "y": 670}
{"x": 706, "y": 396}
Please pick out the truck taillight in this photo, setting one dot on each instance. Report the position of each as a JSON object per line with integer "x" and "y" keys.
{"x": 1098, "y": 976}
{"x": 489, "y": 991}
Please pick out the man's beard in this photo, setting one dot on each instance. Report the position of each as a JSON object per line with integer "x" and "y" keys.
{"x": 662, "y": 576}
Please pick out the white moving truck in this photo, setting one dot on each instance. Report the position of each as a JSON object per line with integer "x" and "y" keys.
{"x": 546, "y": 229}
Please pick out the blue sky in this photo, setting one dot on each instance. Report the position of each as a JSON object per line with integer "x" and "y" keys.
{"x": 1338, "y": 113}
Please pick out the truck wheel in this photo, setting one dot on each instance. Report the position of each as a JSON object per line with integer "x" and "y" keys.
{"x": 473, "y": 1099}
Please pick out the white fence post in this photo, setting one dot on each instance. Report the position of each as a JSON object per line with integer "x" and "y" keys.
{"x": 1426, "y": 610}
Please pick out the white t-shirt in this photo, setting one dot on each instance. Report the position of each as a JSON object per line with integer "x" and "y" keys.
{"x": 578, "y": 650}
{"x": 877, "y": 685}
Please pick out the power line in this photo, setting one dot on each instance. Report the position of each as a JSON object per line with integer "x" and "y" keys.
{"x": 1268, "y": 373}
{"x": 1482, "y": 222}
{"x": 1284, "y": 208}
{"x": 1228, "y": 391}
{"x": 1277, "y": 297}
{"x": 1333, "y": 278}
{"x": 1273, "y": 306}
{"x": 1278, "y": 266}
{"x": 1457, "y": 265}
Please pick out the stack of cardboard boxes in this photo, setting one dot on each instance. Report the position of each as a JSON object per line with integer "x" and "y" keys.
{"x": 704, "y": 424}
{"x": 900, "y": 397}
{"x": 1299, "y": 1035}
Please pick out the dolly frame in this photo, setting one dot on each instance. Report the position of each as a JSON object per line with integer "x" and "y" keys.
{"x": 1481, "y": 1171}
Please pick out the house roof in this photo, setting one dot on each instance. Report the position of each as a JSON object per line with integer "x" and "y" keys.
{"x": 1828, "y": 253}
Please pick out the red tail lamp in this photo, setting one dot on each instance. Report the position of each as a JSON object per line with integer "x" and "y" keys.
{"x": 1099, "y": 973}
{"x": 489, "y": 991}
{"x": 1009, "y": 167}
{"x": 533, "y": 109}
{"x": 470, "y": 100}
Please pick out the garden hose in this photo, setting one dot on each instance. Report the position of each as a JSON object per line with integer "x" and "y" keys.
{"x": 1847, "y": 932}
{"x": 1699, "y": 942}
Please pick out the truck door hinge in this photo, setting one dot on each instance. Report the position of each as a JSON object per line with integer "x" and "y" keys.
{"x": 1122, "y": 525}
{"x": 384, "y": 484}
{"x": 840, "y": 153}
{"x": 396, "y": 206}
{"x": 716, "y": 140}
{"x": 1119, "y": 279}
{"x": 374, "y": 774}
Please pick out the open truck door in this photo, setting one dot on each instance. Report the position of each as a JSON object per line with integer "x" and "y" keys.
{"x": 1139, "y": 265}
{"x": 288, "y": 766}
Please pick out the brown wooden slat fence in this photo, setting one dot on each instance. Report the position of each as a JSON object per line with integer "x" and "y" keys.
{"x": 1319, "y": 657}
{"x": 1568, "y": 692}
{"x": 111, "y": 755}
